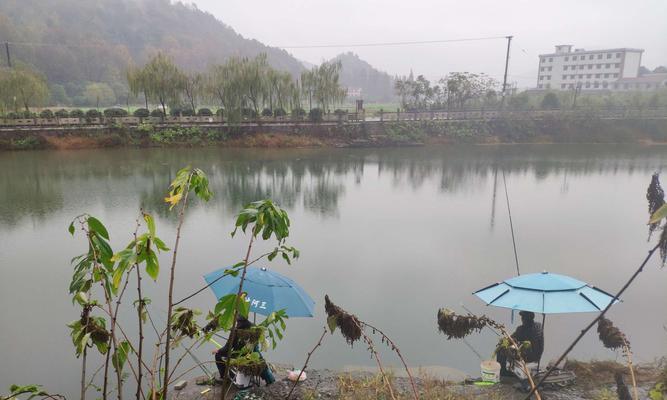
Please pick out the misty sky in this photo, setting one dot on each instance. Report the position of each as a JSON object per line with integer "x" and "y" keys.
{"x": 537, "y": 26}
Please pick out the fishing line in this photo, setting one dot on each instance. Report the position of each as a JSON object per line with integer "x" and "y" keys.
{"x": 509, "y": 211}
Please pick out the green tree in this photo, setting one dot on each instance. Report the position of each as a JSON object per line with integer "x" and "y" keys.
{"x": 99, "y": 94}
{"x": 193, "y": 87}
{"x": 163, "y": 80}
{"x": 550, "y": 102}
{"x": 22, "y": 86}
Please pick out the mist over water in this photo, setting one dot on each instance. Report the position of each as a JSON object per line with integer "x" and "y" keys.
{"x": 390, "y": 234}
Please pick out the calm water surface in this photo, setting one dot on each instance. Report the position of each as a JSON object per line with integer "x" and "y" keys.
{"x": 390, "y": 234}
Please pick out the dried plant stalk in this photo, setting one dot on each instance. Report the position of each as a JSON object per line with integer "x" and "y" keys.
{"x": 349, "y": 324}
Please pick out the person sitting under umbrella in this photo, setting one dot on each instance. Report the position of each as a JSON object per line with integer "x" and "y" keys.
{"x": 530, "y": 331}
{"x": 220, "y": 355}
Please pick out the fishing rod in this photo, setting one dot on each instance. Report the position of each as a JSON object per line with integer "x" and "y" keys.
{"x": 509, "y": 211}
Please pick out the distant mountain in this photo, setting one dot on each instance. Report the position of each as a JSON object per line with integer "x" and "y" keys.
{"x": 375, "y": 85}
{"x": 77, "y": 41}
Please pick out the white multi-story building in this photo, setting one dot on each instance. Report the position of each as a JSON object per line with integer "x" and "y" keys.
{"x": 587, "y": 69}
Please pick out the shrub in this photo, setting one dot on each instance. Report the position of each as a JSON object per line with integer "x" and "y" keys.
{"x": 48, "y": 114}
{"x": 92, "y": 113}
{"x": 175, "y": 112}
{"x": 249, "y": 113}
{"x": 298, "y": 112}
{"x": 62, "y": 113}
{"x": 187, "y": 112}
{"x": 338, "y": 112}
{"x": 157, "y": 113}
{"x": 279, "y": 112}
{"x": 76, "y": 113}
{"x": 550, "y": 102}
{"x": 315, "y": 115}
{"x": 205, "y": 112}
{"x": 266, "y": 112}
{"x": 220, "y": 112}
{"x": 115, "y": 112}
{"x": 12, "y": 115}
{"x": 141, "y": 113}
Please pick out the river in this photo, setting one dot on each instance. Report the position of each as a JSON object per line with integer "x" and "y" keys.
{"x": 390, "y": 234}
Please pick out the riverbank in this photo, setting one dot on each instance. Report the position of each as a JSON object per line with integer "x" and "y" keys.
{"x": 595, "y": 380}
{"x": 362, "y": 134}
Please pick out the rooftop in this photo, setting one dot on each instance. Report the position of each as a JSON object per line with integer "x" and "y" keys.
{"x": 582, "y": 51}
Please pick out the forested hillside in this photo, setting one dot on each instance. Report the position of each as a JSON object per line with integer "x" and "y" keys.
{"x": 375, "y": 85}
{"x": 85, "y": 47}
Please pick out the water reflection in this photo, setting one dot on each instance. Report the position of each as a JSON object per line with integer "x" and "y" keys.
{"x": 37, "y": 184}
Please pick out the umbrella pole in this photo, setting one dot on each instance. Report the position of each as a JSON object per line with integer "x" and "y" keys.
{"x": 544, "y": 318}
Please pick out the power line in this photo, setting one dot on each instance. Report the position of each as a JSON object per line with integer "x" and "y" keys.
{"x": 379, "y": 44}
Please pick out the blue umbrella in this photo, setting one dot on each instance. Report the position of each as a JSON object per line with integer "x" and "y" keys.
{"x": 267, "y": 291}
{"x": 545, "y": 293}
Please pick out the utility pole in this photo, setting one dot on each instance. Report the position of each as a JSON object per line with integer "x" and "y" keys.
{"x": 507, "y": 63}
{"x": 9, "y": 58}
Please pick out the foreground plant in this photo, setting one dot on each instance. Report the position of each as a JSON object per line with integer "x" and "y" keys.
{"x": 352, "y": 329}
{"x": 459, "y": 326}
{"x": 101, "y": 276}
{"x": 612, "y": 338}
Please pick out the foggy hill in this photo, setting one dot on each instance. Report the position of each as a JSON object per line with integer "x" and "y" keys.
{"x": 79, "y": 41}
{"x": 376, "y": 85}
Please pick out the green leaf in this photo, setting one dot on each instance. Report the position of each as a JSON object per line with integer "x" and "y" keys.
{"x": 81, "y": 298}
{"x": 160, "y": 244}
{"x": 120, "y": 355}
{"x": 332, "y": 323}
{"x": 118, "y": 275}
{"x": 659, "y": 214}
{"x": 70, "y": 228}
{"x": 152, "y": 265}
{"x": 150, "y": 222}
{"x": 96, "y": 226}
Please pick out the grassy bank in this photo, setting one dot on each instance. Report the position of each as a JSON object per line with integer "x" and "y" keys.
{"x": 370, "y": 134}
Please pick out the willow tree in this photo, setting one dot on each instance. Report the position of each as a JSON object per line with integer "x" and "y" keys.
{"x": 162, "y": 79}
{"x": 224, "y": 83}
{"x": 254, "y": 80}
{"x": 193, "y": 88}
{"x": 137, "y": 83}
{"x": 327, "y": 88}
{"x": 24, "y": 86}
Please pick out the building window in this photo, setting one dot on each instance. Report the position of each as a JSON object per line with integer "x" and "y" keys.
{"x": 550, "y": 68}
{"x": 609, "y": 55}
{"x": 607, "y": 65}
{"x": 615, "y": 75}
{"x": 539, "y": 86}
{"x": 598, "y": 66}
{"x": 542, "y": 59}
{"x": 564, "y": 67}
{"x": 581, "y": 66}
{"x": 567, "y": 58}
{"x": 571, "y": 86}
{"x": 588, "y": 85}
{"x": 581, "y": 77}
{"x": 551, "y": 59}
{"x": 596, "y": 85}
{"x": 599, "y": 56}
{"x": 564, "y": 77}
{"x": 574, "y": 58}
{"x": 591, "y": 57}
{"x": 605, "y": 84}
{"x": 615, "y": 85}
{"x": 548, "y": 77}
{"x": 618, "y": 55}
{"x": 573, "y": 77}
{"x": 562, "y": 86}
{"x": 617, "y": 65}
{"x": 597, "y": 75}
{"x": 542, "y": 69}
{"x": 588, "y": 76}
{"x": 590, "y": 66}
{"x": 541, "y": 78}
{"x": 606, "y": 75}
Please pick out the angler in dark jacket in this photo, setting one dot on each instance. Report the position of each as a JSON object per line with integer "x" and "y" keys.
{"x": 223, "y": 353}
{"x": 530, "y": 331}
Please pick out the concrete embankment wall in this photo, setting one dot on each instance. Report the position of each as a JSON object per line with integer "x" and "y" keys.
{"x": 370, "y": 133}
